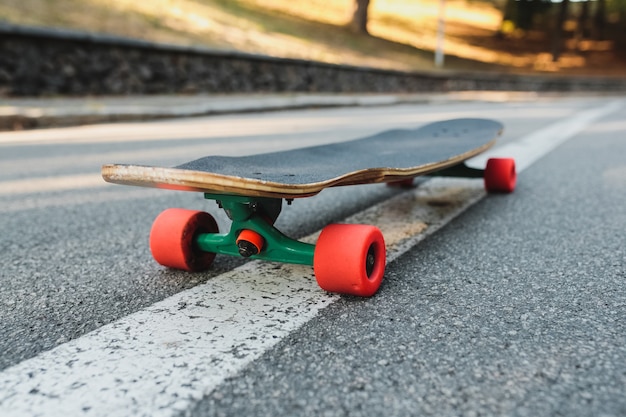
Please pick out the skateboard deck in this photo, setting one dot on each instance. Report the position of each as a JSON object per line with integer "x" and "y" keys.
{"x": 393, "y": 155}
{"x": 347, "y": 258}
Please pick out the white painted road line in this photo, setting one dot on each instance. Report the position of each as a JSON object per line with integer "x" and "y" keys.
{"x": 159, "y": 361}
{"x": 51, "y": 184}
{"x": 534, "y": 146}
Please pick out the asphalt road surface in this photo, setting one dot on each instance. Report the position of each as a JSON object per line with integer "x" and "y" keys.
{"x": 511, "y": 305}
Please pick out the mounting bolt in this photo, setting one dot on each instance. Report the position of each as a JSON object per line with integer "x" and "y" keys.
{"x": 247, "y": 249}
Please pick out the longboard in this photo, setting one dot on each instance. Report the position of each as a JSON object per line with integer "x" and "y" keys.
{"x": 389, "y": 156}
{"x": 347, "y": 258}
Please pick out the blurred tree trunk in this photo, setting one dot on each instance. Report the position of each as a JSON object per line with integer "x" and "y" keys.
{"x": 582, "y": 29}
{"x": 358, "y": 24}
{"x": 557, "y": 36}
{"x": 599, "y": 20}
{"x": 620, "y": 42}
{"x": 508, "y": 19}
{"x": 509, "y": 9}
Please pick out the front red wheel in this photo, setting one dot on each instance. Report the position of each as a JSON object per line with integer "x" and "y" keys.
{"x": 500, "y": 175}
{"x": 350, "y": 259}
{"x": 172, "y": 239}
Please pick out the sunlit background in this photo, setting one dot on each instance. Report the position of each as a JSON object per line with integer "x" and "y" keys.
{"x": 504, "y": 35}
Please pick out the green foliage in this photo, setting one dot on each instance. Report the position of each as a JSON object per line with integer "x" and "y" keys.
{"x": 522, "y": 14}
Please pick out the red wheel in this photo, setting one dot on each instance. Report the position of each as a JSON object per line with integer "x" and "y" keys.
{"x": 172, "y": 239}
{"x": 350, "y": 259}
{"x": 500, "y": 175}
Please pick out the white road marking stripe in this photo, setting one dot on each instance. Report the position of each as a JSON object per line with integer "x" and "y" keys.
{"x": 159, "y": 361}
{"x": 51, "y": 184}
{"x": 539, "y": 143}
{"x": 106, "y": 195}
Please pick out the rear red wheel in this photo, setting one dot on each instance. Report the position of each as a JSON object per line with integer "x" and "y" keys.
{"x": 500, "y": 175}
{"x": 172, "y": 239}
{"x": 350, "y": 259}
